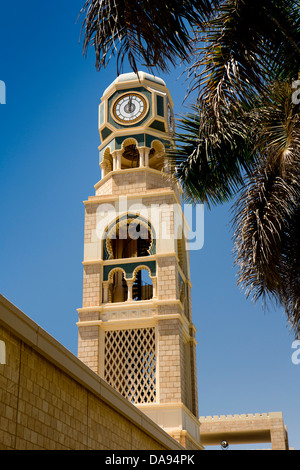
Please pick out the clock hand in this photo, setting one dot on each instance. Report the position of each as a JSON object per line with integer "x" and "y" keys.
{"x": 130, "y": 104}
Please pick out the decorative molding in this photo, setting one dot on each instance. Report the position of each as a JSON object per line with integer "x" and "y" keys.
{"x": 137, "y": 322}
{"x": 133, "y": 304}
{"x": 133, "y": 314}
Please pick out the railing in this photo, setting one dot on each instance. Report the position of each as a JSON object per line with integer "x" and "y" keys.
{"x": 142, "y": 291}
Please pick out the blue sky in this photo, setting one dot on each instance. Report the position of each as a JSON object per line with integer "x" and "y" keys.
{"x": 49, "y": 165}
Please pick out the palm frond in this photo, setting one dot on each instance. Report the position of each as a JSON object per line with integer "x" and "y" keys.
{"x": 289, "y": 293}
{"x": 244, "y": 47}
{"x": 264, "y": 214}
{"x": 210, "y": 162}
{"x": 150, "y": 31}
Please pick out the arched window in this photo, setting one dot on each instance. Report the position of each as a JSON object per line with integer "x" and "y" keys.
{"x": 142, "y": 286}
{"x": 128, "y": 237}
{"x": 118, "y": 290}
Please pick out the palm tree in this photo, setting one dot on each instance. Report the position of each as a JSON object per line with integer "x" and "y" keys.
{"x": 247, "y": 138}
{"x": 266, "y": 214}
{"x": 241, "y": 136}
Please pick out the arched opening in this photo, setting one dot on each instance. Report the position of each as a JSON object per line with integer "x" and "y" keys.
{"x": 129, "y": 237}
{"x": 142, "y": 286}
{"x": 118, "y": 289}
{"x": 157, "y": 156}
{"x": 107, "y": 162}
{"x": 130, "y": 155}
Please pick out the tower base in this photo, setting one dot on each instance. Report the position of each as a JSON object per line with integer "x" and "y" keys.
{"x": 176, "y": 420}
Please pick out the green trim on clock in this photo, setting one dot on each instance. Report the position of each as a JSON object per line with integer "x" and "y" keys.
{"x": 111, "y": 100}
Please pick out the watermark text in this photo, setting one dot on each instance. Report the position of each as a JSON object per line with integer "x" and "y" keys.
{"x": 166, "y": 221}
{"x": 296, "y": 353}
{"x": 2, "y": 92}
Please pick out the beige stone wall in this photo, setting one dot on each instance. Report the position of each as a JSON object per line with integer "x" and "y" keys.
{"x": 91, "y": 285}
{"x": 90, "y": 222}
{"x": 88, "y": 347}
{"x": 186, "y": 440}
{"x": 123, "y": 182}
{"x": 170, "y": 358}
{"x": 245, "y": 428}
{"x": 167, "y": 285}
{"x": 50, "y": 400}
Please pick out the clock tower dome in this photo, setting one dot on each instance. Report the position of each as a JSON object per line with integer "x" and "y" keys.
{"x": 135, "y": 324}
{"x": 140, "y": 109}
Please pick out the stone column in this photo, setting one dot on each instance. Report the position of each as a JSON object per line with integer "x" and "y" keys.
{"x": 129, "y": 285}
{"x": 105, "y": 285}
{"x": 114, "y": 156}
{"x": 279, "y": 437}
{"x": 119, "y": 157}
{"x": 142, "y": 156}
{"x": 154, "y": 285}
{"x": 147, "y": 152}
{"x": 103, "y": 169}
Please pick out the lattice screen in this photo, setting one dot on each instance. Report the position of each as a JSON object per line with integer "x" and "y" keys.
{"x": 129, "y": 363}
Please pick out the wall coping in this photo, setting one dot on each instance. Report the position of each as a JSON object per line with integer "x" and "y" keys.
{"x": 249, "y": 416}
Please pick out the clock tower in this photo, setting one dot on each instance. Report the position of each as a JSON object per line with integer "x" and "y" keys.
{"x": 135, "y": 324}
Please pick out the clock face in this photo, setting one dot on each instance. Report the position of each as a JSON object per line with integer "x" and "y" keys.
{"x": 130, "y": 108}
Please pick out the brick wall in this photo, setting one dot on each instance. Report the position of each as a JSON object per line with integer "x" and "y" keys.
{"x": 91, "y": 285}
{"x": 128, "y": 182}
{"x": 170, "y": 361}
{"x": 50, "y": 400}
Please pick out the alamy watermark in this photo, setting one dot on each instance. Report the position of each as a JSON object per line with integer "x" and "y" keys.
{"x": 296, "y": 93}
{"x": 167, "y": 221}
{"x": 2, "y": 92}
{"x": 296, "y": 353}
